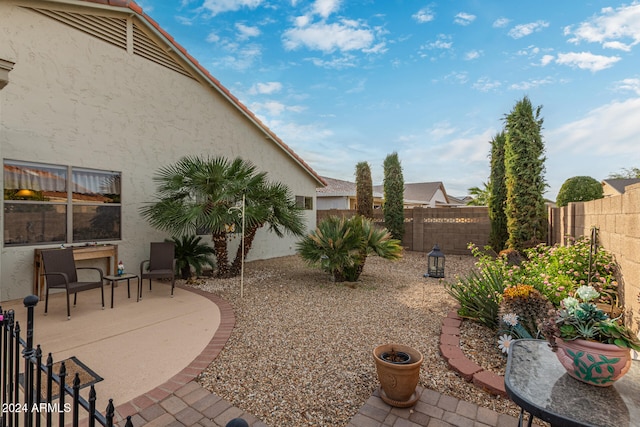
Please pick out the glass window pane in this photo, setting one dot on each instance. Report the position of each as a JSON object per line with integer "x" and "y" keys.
{"x": 96, "y": 222}
{"x": 34, "y": 181}
{"x": 29, "y": 223}
{"x": 95, "y": 186}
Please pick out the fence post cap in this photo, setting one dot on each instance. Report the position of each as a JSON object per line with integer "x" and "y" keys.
{"x": 30, "y": 301}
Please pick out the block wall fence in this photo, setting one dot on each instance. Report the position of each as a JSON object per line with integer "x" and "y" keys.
{"x": 451, "y": 228}
{"x": 617, "y": 219}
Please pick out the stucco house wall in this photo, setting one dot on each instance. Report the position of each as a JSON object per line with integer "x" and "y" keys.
{"x": 73, "y": 99}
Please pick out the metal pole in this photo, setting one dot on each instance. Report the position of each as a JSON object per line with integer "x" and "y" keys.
{"x": 242, "y": 261}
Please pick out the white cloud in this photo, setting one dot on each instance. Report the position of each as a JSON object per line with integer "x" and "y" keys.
{"x": 443, "y": 42}
{"x": 612, "y": 129}
{"x": 530, "y": 84}
{"x": 242, "y": 60}
{"x": 629, "y": 84}
{"x": 265, "y": 88}
{"x": 182, "y": 19}
{"x": 546, "y": 60}
{"x": 457, "y": 77}
{"x": 337, "y": 63}
{"x": 325, "y": 8}
{"x": 523, "y": 30}
{"x": 424, "y": 15}
{"x": 464, "y": 19}
{"x": 617, "y": 45}
{"x": 587, "y": 60}
{"x": 246, "y": 32}
{"x": 501, "y": 22}
{"x": 612, "y": 25}
{"x": 485, "y": 84}
{"x": 213, "y": 38}
{"x": 219, "y": 6}
{"x": 342, "y": 36}
{"x": 473, "y": 54}
{"x": 441, "y": 130}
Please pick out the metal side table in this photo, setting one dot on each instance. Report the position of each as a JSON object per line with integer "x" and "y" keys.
{"x": 126, "y": 276}
{"x": 539, "y": 384}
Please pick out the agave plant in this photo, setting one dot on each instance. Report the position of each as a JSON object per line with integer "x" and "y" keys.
{"x": 190, "y": 252}
{"x": 340, "y": 246}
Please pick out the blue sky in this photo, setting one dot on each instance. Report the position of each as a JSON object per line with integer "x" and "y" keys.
{"x": 344, "y": 81}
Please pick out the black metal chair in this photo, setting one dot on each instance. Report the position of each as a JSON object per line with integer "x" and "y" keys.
{"x": 61, "y": 273}
{"x": 161, "y": 264}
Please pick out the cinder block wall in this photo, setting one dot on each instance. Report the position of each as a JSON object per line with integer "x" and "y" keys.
{"x": 618, "y": 221}
{"x": 451, "y": 228}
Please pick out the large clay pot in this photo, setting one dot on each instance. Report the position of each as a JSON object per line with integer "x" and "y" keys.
{"x": 398, "y": 381}
{"x": 593, "y": 362}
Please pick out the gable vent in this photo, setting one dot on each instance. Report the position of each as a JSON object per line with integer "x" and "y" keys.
{"x": 145, "y": 47}
{"x": 110, "y": 30}
{"x": 114, "y": 31}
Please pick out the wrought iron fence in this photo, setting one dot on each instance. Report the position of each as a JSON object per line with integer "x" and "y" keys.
{"x": 26, "y": 393}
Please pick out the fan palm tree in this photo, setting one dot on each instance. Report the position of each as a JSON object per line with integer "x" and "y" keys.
{"x": 205, "y": 193}
{"x": 340, "y": 246}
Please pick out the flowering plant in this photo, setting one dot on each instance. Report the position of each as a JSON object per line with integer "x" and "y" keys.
{"x": 579, "y": 318}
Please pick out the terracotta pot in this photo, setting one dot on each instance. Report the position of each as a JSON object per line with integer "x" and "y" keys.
{"x": 593, "y": 362}
{"x": 398, "y": 381}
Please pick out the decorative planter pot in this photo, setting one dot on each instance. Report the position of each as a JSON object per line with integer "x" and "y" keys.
{"x": 593, "y": 362}
{"x": 398, "y": 380}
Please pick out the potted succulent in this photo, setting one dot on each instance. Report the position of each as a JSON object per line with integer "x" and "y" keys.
{"x": 592, "y": 347}
{"x": 398, "y": 368}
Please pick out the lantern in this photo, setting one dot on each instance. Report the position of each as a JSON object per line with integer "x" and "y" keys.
{"x": 435, "y": 263}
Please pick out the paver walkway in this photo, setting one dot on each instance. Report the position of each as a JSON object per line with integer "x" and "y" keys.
{"x": 182, "y": 402}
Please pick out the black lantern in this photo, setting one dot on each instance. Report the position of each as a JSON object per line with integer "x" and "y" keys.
{"x": 435, "y": 263}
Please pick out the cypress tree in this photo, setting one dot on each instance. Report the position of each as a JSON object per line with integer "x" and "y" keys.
{"x": 497, "y": 195}
{"x": 524, "y": 175}
{"x": 364, "y": 190}
{"x": 393, "y": 207}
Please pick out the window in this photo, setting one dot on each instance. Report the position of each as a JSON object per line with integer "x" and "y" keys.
{"x": 59, "y": 204}
{"x": 305, "y": 203}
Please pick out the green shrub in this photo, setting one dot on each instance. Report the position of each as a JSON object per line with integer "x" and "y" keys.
{"x": 190, "y": 253}
{"x": 340, "y": 246}
{"x": 555, "y": 272}
{"x": 579, "y": 189}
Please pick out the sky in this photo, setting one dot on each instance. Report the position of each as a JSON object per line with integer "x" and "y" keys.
{"x": 346, "y": 81}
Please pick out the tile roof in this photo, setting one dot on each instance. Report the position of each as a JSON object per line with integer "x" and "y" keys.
{"x": 620, "y": 184}
{"x": 338, "y": 187}
{"x": 133, "y": 6}
{"x": 419, "y": 192}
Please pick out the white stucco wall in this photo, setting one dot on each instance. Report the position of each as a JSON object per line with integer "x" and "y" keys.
{"x": 331, "y": 202}
{"x": 75, "y": 100}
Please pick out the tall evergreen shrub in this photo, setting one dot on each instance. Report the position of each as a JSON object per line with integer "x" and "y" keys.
{"x": 393, "y": 208}
{"x": 497, "y": 194}
{"x": 364, "y": 190}
{"x": 524, "y": 173}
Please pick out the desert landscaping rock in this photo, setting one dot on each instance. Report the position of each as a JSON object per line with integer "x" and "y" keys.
{"x": 301, "y": 350}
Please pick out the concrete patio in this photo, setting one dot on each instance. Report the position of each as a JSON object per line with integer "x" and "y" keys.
{"x": 136, "y": 346}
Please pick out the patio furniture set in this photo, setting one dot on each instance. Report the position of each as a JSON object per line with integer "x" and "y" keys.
{"x": 60, "y": 271}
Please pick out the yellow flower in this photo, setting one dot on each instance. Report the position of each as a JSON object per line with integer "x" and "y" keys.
{"x": 518, "y": 291}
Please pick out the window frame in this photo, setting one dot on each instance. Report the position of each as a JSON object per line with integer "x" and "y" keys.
{"x": 70, "y": 202}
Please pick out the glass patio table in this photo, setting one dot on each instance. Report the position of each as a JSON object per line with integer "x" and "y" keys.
{"x": 537, "y": 382}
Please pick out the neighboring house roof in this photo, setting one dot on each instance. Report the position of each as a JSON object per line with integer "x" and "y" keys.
{"x": 420, "y": 192}
{"x": 619, "y": 185}
{"x": 458, "y": 201}
{"x": 340, "y": 188}
{"x": 199, "y": 69}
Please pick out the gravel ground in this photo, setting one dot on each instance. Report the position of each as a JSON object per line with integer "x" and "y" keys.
{"x": 301, "y": 350}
